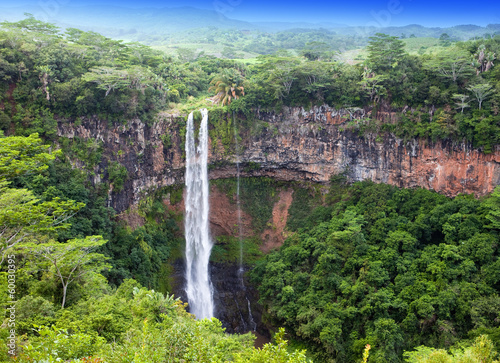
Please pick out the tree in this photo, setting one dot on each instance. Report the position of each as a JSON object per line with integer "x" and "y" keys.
{"x": 461, "y": 101}
{"x": 281, "y": 74}
{"x": 273, "y": 353}
{"x": 186, "y": 54}
{"x": 315, "y": 50}
{"x": 44, "y": 72}
{"x": 453, "y": 64}
{"x": 32, "y": 25}
{"x": 482, "y": 60}
{"x": 481, "y": 351}
{"x": 372, "y": 84}
{"x": 481, "y": 91}
{"x": 389, "y": 340}
{"x": 227, "y": 85}
{"x": 314, "y": 77}
{"x": 22, "y": 215}
{"x": 23, "y": 155}
{"x": 107, "y": 78}
{"x": 72, "y": 260}
{"x": 385, "y": 52}
{"x": 493, "y": 206}
{"x": 444, "y": 40}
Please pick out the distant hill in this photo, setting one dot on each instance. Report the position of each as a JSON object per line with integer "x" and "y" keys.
{"x": 153, "y": 25}
{"x": 281, "y": 26}
{"x": 113, "y": 20}
{"x": 459, "y": 32}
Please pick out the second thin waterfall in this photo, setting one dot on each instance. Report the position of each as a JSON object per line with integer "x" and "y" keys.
{"x": 241, "y": 269}
{"x": 196, "y": 225}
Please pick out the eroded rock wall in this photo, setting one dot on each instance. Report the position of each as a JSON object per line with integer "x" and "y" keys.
{"x": 293, "y": 145}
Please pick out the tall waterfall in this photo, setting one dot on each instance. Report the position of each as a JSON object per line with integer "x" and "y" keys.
{"x": 198, "y": 243}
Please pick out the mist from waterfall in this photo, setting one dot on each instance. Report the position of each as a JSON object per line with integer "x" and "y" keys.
{"x": 196, "y": 224}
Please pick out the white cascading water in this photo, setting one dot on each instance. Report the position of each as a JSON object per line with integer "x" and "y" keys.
{"x": 196, "y": 225}
{"x": 241, "y": 269}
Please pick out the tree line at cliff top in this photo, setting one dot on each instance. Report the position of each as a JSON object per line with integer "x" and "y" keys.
{"x": 452, "y": 93}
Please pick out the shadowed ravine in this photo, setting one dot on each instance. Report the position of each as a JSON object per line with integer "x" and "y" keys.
{"x": 229, "y": 295}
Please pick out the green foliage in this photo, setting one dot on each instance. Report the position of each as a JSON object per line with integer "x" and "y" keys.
{"x": 33, "y": 310}
{"x": 493, "y": 206}
{"x": 55, "y": 344}
{"x": 251, "y": 189}
{"x": 88, "y": 151}
{"x": 139, "y": 325}
{"x": 223, "y": 130}
{"x": 118, "y": 175}
{"x": 304, "y": 211}
{"x": 22, "y": 155}
{"x": 31, "y": 24}
{"x": 227, "y": 250}
{"x": 481, "y": 351}
{"x": 273, "y": 353}
{"x": 251, "y": 166}
{"x": 23, "y": 216}
{"x": 141, "y": 253}
{"x": 227, "y": 85}
{"x": 72, "y": 260}
{"x": 385, "y": 52}
{"x": 391, "y": 268}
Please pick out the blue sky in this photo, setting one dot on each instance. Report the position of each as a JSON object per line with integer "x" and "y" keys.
{"x": 359, "y": 12}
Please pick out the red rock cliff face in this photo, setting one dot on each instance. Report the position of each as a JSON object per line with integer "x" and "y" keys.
{"x": 294, "y": 145}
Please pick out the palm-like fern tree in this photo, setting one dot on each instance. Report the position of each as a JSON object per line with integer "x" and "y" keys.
{"x": 227, "y": 86}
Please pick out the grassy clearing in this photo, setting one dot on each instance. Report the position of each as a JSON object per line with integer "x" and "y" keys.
{"x": 425, "y": 45}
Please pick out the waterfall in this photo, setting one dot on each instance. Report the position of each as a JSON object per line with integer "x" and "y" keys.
{"x": 250, "y": 316}
{"x": 198, "y": 243}
{"x": 241, "y": 270}
{"x": 238, "y": 203}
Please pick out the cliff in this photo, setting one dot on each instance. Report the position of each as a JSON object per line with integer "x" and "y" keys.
{"x": 293, "y": 145}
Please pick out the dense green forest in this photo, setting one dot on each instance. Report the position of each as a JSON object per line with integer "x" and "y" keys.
{"x": 452, "y": 94}
{"x": 366, "y": 264}
{"x": 388, "y": 267}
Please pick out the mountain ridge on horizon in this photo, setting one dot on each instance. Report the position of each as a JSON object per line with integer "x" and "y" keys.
{"x": 114, "y": 20}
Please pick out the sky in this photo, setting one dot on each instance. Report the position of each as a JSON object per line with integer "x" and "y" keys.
{"x": 379, "y": 13}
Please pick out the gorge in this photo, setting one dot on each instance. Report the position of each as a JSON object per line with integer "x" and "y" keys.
{"x": 293, "y": 146}
{"x": 332, "y": 195}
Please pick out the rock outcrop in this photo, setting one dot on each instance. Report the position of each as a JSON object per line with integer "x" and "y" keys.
{"x": 293, "y": 145}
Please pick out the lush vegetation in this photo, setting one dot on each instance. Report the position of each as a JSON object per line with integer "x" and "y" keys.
{"x": 392, "y": 268}
{"x": 50, "y": 77}
{"x": 67, "y": 311}
{"x": 368, "y": 264}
